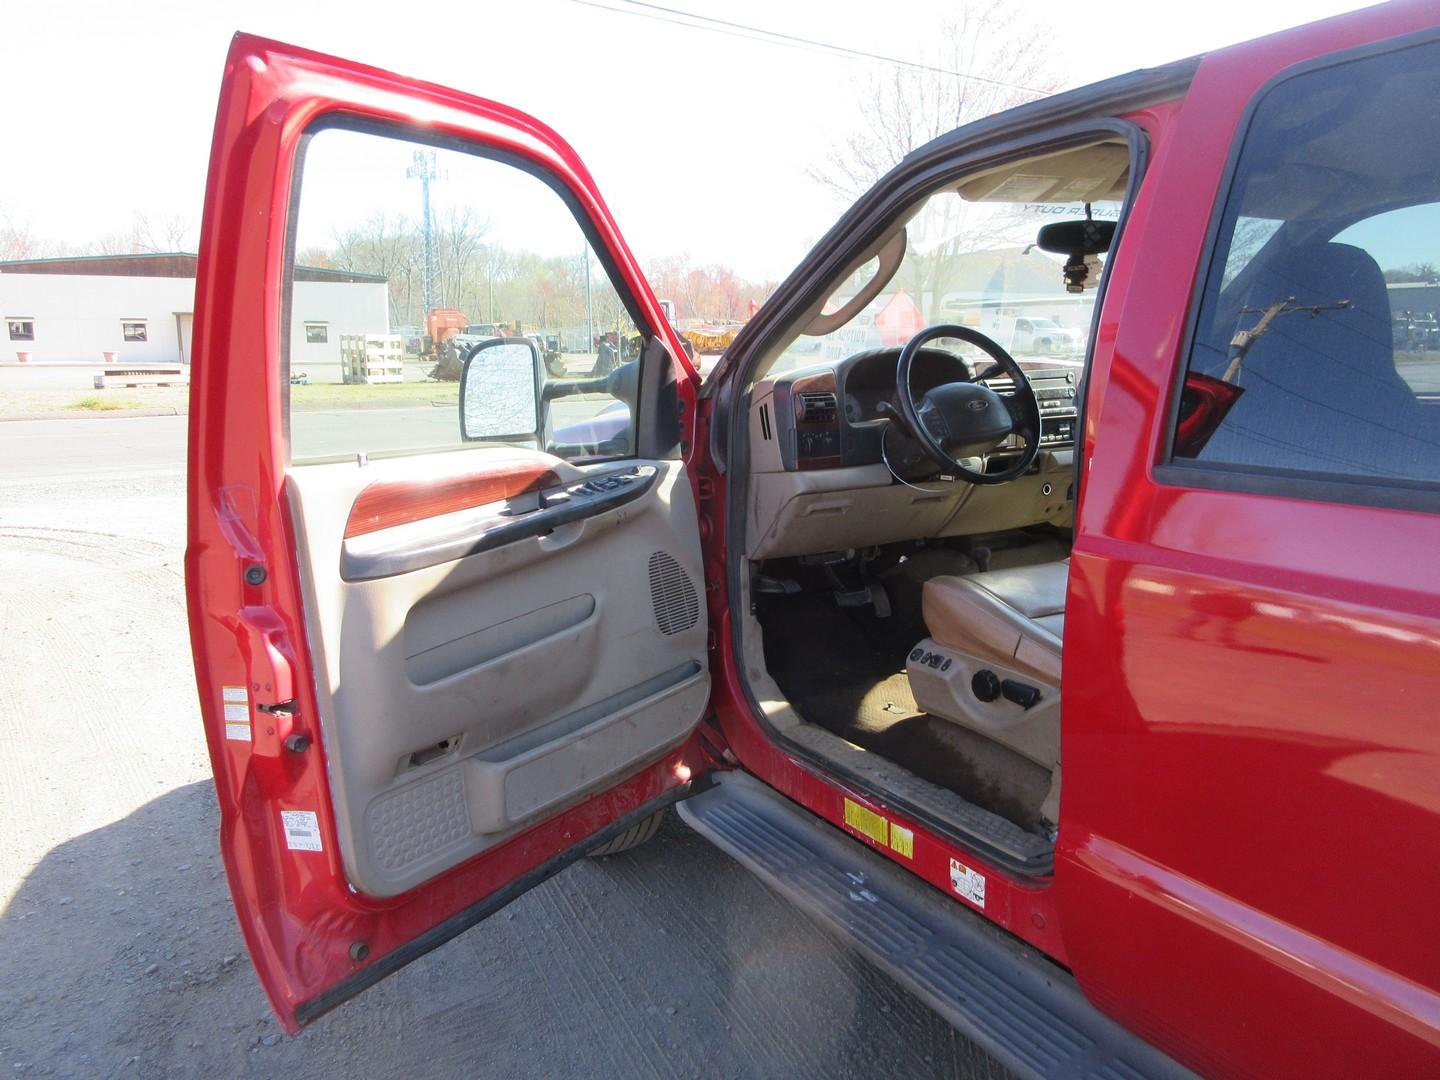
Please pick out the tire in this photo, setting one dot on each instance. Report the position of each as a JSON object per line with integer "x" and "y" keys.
{"x": 632, "y": 837}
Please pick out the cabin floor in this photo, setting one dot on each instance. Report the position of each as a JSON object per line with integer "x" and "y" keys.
{"x": 843, "y": 669}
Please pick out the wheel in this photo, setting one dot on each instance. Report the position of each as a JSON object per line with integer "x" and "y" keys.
{"x": 632, "y": 837}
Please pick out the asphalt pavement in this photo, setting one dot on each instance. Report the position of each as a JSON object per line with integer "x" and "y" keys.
{"x": 120, "y": 956}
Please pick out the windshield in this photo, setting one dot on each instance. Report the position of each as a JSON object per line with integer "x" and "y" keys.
{"x": 971, "y": 263}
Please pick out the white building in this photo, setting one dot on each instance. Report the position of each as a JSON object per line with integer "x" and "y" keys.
{"x": 140, "y": 309}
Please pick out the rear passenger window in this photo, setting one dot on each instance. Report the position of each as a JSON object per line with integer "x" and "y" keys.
{"x": 1316, "y": 350}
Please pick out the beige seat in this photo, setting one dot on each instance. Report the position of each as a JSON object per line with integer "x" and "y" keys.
{"x": 1015, "y": 618}
{"x": 1002, "y": 625}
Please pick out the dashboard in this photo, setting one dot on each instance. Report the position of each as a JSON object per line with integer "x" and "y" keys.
{"x": 837, "y": 416}
{"x": 830, "y": 469}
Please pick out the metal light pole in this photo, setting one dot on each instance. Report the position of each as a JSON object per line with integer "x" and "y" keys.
{"x": 422, "y": 168}
{"x": 589, "y": 317}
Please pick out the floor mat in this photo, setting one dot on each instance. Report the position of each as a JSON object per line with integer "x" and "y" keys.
{"x": 844, "y": 669}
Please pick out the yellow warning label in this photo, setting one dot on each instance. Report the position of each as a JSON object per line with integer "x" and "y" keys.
{"x": 867, "y": 822}
{"x": 902, "y": 840}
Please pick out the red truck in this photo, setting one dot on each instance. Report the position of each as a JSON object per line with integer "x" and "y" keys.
{"x": 850, "y": 607}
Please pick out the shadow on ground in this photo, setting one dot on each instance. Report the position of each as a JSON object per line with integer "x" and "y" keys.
{"x": 119, "y": 956}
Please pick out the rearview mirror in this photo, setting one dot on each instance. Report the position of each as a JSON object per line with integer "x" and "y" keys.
{"x": 1081, "y": 241}
{"x": 500, "y": 391}
{"x": 1085, "y": 237}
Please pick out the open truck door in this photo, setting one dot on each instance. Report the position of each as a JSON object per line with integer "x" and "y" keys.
{"x": 436, "y": 661}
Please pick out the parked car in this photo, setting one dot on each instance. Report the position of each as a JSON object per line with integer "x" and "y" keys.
{"x": 1039, "y": 335}
{"x": 850, "y": 618}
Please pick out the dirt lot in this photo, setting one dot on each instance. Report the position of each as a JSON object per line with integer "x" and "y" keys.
{"x": 118, "y": 952}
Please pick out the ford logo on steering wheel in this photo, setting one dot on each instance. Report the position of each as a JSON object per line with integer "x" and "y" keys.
{"x": 977, "y": 404}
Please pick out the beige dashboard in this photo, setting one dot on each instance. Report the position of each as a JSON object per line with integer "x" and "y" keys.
{"x": 806, "y": 511}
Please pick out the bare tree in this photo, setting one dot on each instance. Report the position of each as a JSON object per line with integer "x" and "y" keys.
{"x": 173, "y": 232}
{"x": 387, "y": 245}
{"x": 17, "y": 240}
{"x": 1009, "y": 60}
{"x": 459, "y": 237}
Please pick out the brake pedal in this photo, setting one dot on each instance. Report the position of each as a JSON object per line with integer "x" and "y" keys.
{"x": 872, "y": 596}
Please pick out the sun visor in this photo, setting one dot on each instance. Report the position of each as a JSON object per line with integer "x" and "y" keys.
{"x": 1095, "y": 173}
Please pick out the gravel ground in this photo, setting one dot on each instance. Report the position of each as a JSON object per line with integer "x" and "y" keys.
{"x": 119, "y": 955}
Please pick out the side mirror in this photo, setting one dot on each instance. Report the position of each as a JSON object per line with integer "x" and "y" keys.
{"x": 500, "y": 391}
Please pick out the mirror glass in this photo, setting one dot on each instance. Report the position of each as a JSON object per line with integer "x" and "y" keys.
{"x": 498, "y": 400}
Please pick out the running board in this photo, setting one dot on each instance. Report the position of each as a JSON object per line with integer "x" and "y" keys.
{"x": 1005, "y": 996}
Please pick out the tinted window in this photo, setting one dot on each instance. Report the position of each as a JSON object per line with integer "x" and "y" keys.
{"x": 1317, "y": 349}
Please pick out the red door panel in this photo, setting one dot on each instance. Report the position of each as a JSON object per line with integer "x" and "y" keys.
{"x": 1251, "y": 736}
{"x": 314, "y": 940}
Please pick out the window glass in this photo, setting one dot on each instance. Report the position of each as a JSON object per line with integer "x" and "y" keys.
{"x": 1317, "y": 349}
{"x": 134, "y": 330}
{"x": 21, "y": 329}
{"x": 1251, "y": 234}
{"x": 405, "y": 259}
{"x": 975, "y": 264}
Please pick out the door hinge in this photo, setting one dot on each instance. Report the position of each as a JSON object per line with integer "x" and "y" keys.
{"x": 705, "y": 487}
{"x": 289, "y": 708}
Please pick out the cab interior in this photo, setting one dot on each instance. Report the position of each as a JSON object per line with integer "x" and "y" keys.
{"x": 900, "y": 623}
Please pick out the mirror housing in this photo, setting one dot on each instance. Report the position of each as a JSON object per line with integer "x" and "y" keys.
{"x": 500, "y": 391}
{"x": 1085, "y": 237}
{"x": 1081, "y": 241}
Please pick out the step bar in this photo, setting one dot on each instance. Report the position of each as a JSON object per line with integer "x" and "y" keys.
{"x": 1005, "y": 996}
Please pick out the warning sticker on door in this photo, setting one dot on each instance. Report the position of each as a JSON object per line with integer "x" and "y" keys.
{"x": 302, "y": 830}
{"x": 237, "y": 712}
{"x": 967, "y": 883}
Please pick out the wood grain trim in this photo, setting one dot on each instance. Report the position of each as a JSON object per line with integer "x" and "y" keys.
{"x": 387, "y": 503}
{"x": 823, "y": 382}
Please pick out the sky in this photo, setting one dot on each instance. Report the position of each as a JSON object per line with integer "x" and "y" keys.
{"x": 699, "y": 139}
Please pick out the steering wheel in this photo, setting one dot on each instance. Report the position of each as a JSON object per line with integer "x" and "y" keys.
{"x": 968, "y": 419}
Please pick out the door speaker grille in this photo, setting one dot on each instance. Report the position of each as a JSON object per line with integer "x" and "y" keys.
{"x": 677, "y": 606}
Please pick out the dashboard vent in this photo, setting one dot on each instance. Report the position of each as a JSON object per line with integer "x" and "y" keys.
{"x": 677, "y": 605}
{"x": 818, "y": 407}
{"x": 765, "y": 421}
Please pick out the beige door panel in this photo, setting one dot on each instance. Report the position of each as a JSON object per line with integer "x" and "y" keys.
{"x": 468, "y": 690}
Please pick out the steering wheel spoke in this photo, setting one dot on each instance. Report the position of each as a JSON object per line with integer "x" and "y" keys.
{"x": 1021, "y": 413}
